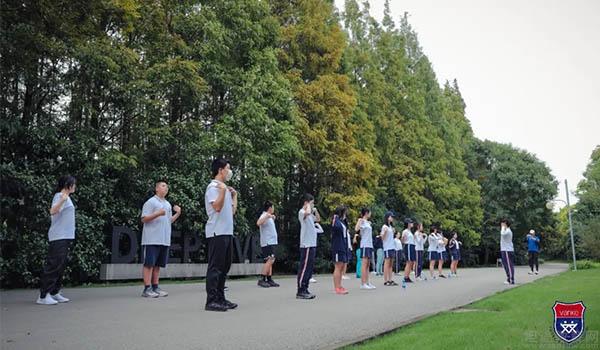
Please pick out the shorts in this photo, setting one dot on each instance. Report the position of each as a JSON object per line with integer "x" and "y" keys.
{"x": 433, "y": 256}
{"x": 389, "y": 254}
{"x": 409, "y": 252}
{"x": 455, "y": 255}
{"x": 366, "y": 253}
{"x": 340, "y": 256}
{"x": 155, "y": 255}
{"x": 268, "y": 252}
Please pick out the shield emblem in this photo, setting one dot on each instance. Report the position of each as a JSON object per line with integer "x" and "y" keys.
{"x": 568, "y": 320}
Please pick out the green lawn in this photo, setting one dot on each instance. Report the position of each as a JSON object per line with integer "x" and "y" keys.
{"x": 520, "y": 318}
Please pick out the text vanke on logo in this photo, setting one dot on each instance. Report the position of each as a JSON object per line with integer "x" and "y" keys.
{"x": 568, "y": 320}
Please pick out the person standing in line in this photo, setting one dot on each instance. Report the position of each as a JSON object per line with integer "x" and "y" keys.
{"x": 60, "y": 236}
{"x": 398, "y": 257}
{"x": 157, "y": 217}
{"x": 378, "y": 247}
{"x": 268, "y": 242}
{"x": 387, "y": 236}
{"x": 308, "y": 217}
{"x": 432, "y": 250}
{"x": 420, "y": 238}
{"x": 339, "y": 248}
{"x": 221, "y": 203}
{"x": 441, "y": 249}
{"x": 366, "y": 246}
{"x": 408, "y": 239}
{"x": 507, "y": 251}
{"x": 533, "y": 250}
{"x": 455, "y": 256}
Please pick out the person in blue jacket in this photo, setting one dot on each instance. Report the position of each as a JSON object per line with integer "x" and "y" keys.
{"x": 533, "y": 250}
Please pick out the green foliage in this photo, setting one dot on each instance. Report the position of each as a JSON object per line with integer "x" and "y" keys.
{"x": 515, "y": 185}
{"x": 122, "y": 93}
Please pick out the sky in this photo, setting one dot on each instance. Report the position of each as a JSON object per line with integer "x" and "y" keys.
{"x": 529, "y": 71}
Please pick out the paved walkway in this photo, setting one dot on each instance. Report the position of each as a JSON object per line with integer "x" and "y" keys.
{"x": 118, "y": 318}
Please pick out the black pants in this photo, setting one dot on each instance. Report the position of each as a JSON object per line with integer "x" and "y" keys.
{"x": 305, "y": 268}
{"x": 220, "y": 255}
{"x": 508, "y": 262}
{"x": 56, "y": 261}
{"x": 533, "y": 261}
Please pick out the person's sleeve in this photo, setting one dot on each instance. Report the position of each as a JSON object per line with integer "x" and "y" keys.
{"x": 212, "y": 193}
{"x": 56, "y": 199}
{"x": 147, "y": 209}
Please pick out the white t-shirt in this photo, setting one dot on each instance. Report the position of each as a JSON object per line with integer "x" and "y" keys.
{"x": 308, "y": 231}
{"x": 268, "y": 232}
{"x": 157, "y": 231}
{"x": 432, "y": 240}
{"x": 388, "y": 240}
{"x": 408, "y": 236}
{"x": 419, "y": 241}
{"x": 441, "y": 246}
{"x": 366, "y": 234}
{"x": 398, "y": 244}
{"x": 62, "y": 224}
{"x": 219, "y": 223}
{"x": 506, "y": 243}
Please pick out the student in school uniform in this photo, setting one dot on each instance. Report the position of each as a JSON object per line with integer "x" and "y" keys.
{"x": 349, "y": 248}
{"x": 432, "y": 250}
{"x": 507, "y": 251}
{"x": 358, "y": 253}
{"x": 420, "y": 238}
{"x": 220, "y": 202}
{"x": 454, "y": 246}
{"x": 387, "y": 236}
{"x": 157, "y": 217}
{"x": 378, "y": 247}
{"x": 363, "y": 226}
{"x": 339, "y": 248}
{"x": 308, "y": 217}
{"x": 442, "y": 255}
{"x": 409, "y": 249}
{"x": 533, "y": 250}
{"x": 60, "y": 236}
{"x": 268, "y": 242}
{"x": 399, "y": 254}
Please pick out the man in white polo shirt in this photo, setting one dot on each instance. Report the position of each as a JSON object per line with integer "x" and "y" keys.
{"x": 156, "y": 238}
{"x": 221, "y": 204}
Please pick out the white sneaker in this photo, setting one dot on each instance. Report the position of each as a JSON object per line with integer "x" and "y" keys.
{"x": 48, "y": 300}
{"x": 344, "y": 277}
{"x": 530, "y": 273}
{"x": 58, "y": 297}
{"x": 506, "y": 282}
{"x": 365, "y": 286}
{"x": 149, "y": 293}
{"x": 371, "y": 286}
{"x": 312, "y": 280}
{"x": 160, "y": 292}
{"x": 537, "y": 272}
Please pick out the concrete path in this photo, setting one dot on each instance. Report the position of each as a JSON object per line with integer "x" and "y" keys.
{"x": 118, "y": 318}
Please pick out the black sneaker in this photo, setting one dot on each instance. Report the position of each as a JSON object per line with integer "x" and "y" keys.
{"x": 305, "y": 295}
{"x": 272, "y": 283}
{"x": 393, "y": 283}
{"x": 229, "y": 305}
{"x": 263, "y": 283}
{"x": 442, "y": 276}
{"x": 214, "y": 306}
{"x": 408, "y": 280}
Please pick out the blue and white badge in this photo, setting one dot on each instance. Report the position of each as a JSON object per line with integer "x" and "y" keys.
{"x": 568, "y": 320}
